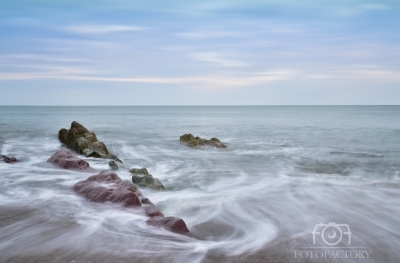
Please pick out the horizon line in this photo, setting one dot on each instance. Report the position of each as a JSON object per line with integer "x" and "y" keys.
{"x": 203, "y": 105}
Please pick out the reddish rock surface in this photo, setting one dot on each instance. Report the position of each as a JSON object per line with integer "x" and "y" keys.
{"x": 150, "y": 209}
{"x": 170, "y": 223}
{"x": 107, "y": 186}
{"x": 67, "y": 160}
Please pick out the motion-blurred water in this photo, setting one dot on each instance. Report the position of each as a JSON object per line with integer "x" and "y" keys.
{"x": 286, "y": 169}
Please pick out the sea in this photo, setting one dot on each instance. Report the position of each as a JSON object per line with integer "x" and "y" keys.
{"x": 295, "y": 184}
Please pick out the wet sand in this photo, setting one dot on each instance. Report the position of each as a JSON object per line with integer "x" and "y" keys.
{"x": 11, "y": 215}
{"x": 61, "y": 256}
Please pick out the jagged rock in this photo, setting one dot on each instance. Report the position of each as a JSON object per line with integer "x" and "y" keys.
{"x": 192, "y": 141}
{"x": 170, "y": 223}
{"x": 113, "y": 165}
{"x": 200, "y": 140}
{"x": 187, "y": 137}
{"x": 139, "y": 171}
{"x": 142, "y": 178}
{"x": 109, "y": 187}
{"x": 84, "y": 142}
{"x": 215, "y": 142}
{"x": 67, "y": 160}
{"x": 9, "y": 159}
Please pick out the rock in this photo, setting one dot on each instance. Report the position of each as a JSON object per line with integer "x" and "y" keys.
{"x": 150, "y": 209}
{"x": 192, "y": 141}
{"x": 215, "y": 142}
{"x": 200, "y": 140}
{"x": 113, "y": 165}
{"x": 85, "y": 142}
{"x": 142, "y": 178}
{"x": 170, "y": 223}
{"x": 187, "y": 137}
{"x": 109, "y": 187}
{"x": 9, "y": 159}
{"x": 139, "y": 171}
{"x": 67, "y": 160}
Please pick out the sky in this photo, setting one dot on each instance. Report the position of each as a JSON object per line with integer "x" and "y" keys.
{"x": 182, "y": 52}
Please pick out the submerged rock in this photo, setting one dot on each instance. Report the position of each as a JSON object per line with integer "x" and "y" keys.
{"x": 142, "y": 178}
{"x": 215, "y": 142}
{"x": 113, "y": 165}
{"x": 67, "y": 160}
{"x": 192, "y": 141}
{"x": 109, "y": 187}
{"x": 9, "y": 159}
{"x": 170, "y": 223}
{"x": 150, "y": 209}
{"x": 84, "y": 142}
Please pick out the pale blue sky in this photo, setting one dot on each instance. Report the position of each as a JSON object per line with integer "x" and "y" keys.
{"x": 199, "y": 52}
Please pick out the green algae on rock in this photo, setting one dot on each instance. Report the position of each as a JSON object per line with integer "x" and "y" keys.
{"x": 85, "y": 142}
{"x": 142, "y": 178}
{"x": 192, "y": 141}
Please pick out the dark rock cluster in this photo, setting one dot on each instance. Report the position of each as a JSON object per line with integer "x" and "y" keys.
{"x": 193, "y": 141}
{"x": 8, "y": 159}
{"x": 84, "y": 142}
{"x": 142, "y": 178}
{"x": 113, "y": 165}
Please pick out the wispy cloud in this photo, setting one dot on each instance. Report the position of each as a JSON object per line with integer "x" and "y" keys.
{"x": 78, "y": 44}
{"x": 79, "y": 76}
{"x": 209, "y": 34}
{"x": 358, "y": 72}
{"x": 359, "y": 9}
{"x": 216, "y": 59}
{"x": 101, "y": 29}
{"x": 227, "y": 81}
{"x": 213, "y": 81}
{"x": 375, "y": 73}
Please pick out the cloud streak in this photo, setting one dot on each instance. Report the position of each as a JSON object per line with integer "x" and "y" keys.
{"x": 216, "y": 59}
{"x": 214, "y": 81}
{"x": 209, "y": 34}
{"x": 101, "y": 29}
{"x": 222, "y": 80}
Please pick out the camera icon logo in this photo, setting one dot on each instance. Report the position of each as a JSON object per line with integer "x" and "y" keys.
{"x": 331, "y": 233}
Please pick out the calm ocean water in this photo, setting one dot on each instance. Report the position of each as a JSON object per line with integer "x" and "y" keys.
{"x": 287, "y": 169}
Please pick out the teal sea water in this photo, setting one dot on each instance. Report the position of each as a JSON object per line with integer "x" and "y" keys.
{"x": 286, "y": 170}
